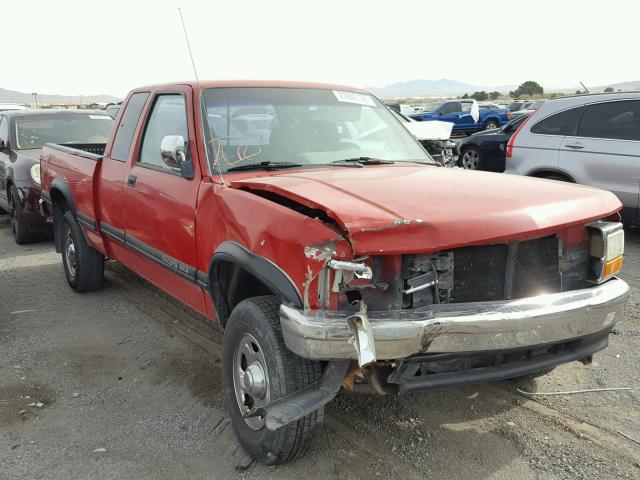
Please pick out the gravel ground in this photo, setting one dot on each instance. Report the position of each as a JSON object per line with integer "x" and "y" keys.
{"x": 124, "y": 383}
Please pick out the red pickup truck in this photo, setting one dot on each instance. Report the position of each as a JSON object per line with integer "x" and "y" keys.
{"x": 309, "y": 224}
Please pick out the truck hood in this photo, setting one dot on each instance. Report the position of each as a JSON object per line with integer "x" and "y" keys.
{"x": 409, "y": 208}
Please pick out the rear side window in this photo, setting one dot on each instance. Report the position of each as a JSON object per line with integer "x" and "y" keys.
{"x": 619, "y": 120}
{"x": 127, "y": 127}
{"x": 4, "y": 128}
{"x": 466, "y": 106}
{"x": 563, "y": 123}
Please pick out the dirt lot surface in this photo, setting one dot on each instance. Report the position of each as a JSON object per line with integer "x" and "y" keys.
{"x": 123, "y": 384}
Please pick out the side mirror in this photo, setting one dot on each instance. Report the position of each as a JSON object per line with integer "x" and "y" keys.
{"x": 172, "y": 153}
{"x": 172, "y": 150}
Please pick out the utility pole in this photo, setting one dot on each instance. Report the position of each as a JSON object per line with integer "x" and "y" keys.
{"x": 35, "y": 98}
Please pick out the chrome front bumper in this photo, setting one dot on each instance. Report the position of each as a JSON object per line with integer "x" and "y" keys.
{"x": 461, "y": 327}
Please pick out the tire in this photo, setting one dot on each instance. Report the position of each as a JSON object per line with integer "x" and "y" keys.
{"x": 19, "y": 228}
{"x": 253, "y": 343}
{"x": 491, "y": 124}
{"x": 83, "y": 266}
{"x": 471, "y": 158}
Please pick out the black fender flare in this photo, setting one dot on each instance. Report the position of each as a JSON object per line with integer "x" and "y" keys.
{"x": 542, "y": 172}
{"x": 263, "y": 269}
{"x": 61, "y": 186}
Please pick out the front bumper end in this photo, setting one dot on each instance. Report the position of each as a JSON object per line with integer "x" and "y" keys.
{"x": 450, "y": 328}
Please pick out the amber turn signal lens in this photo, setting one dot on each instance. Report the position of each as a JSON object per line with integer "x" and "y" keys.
{"x": 612, "y": 267}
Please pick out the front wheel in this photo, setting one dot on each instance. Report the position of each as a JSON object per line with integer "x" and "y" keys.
{"x": 83, "y": 266}
{"x": 258, "y": 369}
{"x": 470, "y": 158}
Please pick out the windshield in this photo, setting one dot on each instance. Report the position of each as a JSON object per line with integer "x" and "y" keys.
{"x": 35, "y": 131}
{"x": 305, "y": 126}
{"x": 432, "y": 107}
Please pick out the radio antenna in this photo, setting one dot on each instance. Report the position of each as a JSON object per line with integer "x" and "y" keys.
{"x": 202, "y": 105}
{"x": 193, "y": 63}
{"x": 585, "y": 88}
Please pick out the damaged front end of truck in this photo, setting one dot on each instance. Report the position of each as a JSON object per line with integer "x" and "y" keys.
{"x": 394, "y": 304}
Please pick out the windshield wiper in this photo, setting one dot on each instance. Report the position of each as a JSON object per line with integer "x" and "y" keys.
{"x": 264, "y": 166}
{"x": 360, "y": 162}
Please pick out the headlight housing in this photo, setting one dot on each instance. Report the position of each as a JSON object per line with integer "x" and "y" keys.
{"x": 35, "y": 173}
{"x": 606, "y": 248}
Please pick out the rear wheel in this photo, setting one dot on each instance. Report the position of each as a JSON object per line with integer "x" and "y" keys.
{"x": 258, "y": 369}
{"x": 491, "y": 124}
{"x": 83, "y": 266}
{"x": 470, "y": 158}
{"x": 19, "y": 227}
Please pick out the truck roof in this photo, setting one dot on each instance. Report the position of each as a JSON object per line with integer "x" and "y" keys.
{"x": 255, "y": 83}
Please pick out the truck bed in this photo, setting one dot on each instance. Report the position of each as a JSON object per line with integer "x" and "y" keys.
{"x": 75, "y": 165}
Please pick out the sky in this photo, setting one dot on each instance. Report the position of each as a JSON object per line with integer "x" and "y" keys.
{"x": 109, "y": 47}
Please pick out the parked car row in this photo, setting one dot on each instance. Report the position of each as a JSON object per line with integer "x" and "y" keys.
{"x": 310, "y": 225}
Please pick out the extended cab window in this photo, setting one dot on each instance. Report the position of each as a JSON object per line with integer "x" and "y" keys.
{"x": 4, "y": 128}
{"x": 619, "y": 120}
{"x": 466, "y": 106}
{"x": 169, "y": 117}
{"x": 563, "y": 123}
{"x": 127, "y": 127}
{"x": 451, "y": 107}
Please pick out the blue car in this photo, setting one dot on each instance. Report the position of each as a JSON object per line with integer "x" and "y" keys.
{"x": 459, "y": 112}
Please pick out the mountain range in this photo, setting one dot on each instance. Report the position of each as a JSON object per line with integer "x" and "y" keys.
{"x": 446, "y": 87}
{"x": 11, "y": 96}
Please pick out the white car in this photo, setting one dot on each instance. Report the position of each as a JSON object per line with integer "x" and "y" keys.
{"x": 434, "y": 136}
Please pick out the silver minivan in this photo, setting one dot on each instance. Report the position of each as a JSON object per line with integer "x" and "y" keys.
{"x": 588, "y": 139}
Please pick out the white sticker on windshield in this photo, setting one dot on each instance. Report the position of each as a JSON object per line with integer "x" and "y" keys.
{"x": 354, "y": 97}
{"x": 100, "y": 117}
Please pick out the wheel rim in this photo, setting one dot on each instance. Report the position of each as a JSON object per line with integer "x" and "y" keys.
{"x": 250, "y": 379}
{"x": 470, "y": 160}
{"x": 70, "y": 254}
{"x": 491, "y": 125}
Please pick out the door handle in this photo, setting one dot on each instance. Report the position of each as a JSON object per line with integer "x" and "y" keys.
{"x": 575, "y": 146}
{"x": 131, "y": 181}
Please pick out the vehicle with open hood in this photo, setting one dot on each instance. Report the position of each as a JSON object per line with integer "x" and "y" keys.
{"x": 311, "y": 226}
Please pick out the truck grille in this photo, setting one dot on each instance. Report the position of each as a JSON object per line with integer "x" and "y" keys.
{"x": 497, "y": 272}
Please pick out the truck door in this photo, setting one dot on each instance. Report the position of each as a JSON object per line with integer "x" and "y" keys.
{"x": 451, "y": 113}
{"x": 466, "y": 121}
{"x": 605, "y": 151}
{"x": 160, "y": 202}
